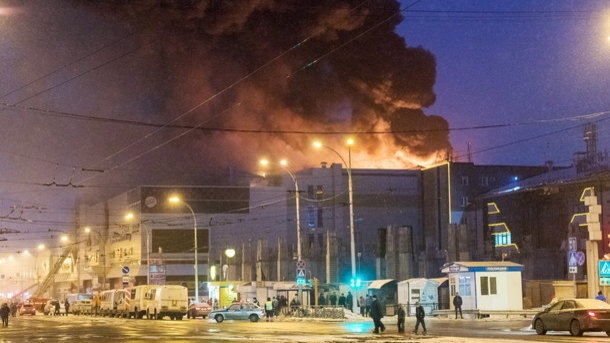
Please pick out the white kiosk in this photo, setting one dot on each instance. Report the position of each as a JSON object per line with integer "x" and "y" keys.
{"x": 486, "y": 285}
{"x": 424, "y": 291}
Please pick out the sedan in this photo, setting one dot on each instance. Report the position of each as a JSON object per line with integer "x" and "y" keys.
{"x": 27, "y": 309}
{"x": 238, "y": 311}
{"x": 575, "y": 316}
{"x": 199, "y": 310}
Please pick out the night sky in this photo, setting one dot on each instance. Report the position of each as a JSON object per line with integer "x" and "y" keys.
{"x": 97, "y": 97}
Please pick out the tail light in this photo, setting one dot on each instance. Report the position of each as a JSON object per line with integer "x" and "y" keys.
{"x": 592, "y": 314}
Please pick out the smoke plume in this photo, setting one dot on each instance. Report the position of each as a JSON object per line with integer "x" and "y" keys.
{"x": 266, "y": 77}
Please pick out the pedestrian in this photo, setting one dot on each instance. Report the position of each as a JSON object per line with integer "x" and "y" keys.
{"x": 57, "y": 308}
{"x": 333, "y": 299}
{"x": 67, "y": 306}
{"x": 321, "y": 299}
{"x": 5, "y": 311}
{"x": 457, "y": 303}
{"x": 269, "y": 309}
{"x": 600, "y": 296}
{"x": 255, "y": 301}
{"x": 369, "y": 301}
{"x": 400, "y": 314}
{"x": 342, "y": 300}
{"x": 362, "y": 305}
{"x": 377, "y": 314}
{"x": 276, "y": 306}
{"x": 349, "y": 301}
{"x": 419, "y": 315}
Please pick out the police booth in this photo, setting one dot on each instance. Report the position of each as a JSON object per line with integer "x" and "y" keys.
{"x": 486, "y": 285}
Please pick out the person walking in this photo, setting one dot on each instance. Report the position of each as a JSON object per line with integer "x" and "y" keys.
{"x": 400, "y": 314}
{"x": 457, "y": 303}
{"x": 377, "y": 314}
{"x": 600, "y": 296}
{"x": 369, "y": 301}
{"x": 269, "y": 310}
{"x": 5, "y": 312}
{"x": 419, "y": 315}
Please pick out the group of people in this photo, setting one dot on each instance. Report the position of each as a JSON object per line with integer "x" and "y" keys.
{"x": 376, "y": 313}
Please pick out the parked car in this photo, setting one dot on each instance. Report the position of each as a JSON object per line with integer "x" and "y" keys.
{"x": 238, "y": 311}
{"x": 575, "y": 316}
{"x": 199, "y": 310}
{"x": 27, "y": 308}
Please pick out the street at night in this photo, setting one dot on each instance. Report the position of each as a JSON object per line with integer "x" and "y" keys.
{"x": 98, "y": 329}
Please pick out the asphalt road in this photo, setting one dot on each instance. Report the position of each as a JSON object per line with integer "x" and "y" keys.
{"x": 42, "y": 328}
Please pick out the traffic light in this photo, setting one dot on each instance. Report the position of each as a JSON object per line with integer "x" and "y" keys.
{"x": 355, "y": 283}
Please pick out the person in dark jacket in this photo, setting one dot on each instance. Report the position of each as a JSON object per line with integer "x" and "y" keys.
{"x": 400, "y": 314}
{"x": 5, "y": 312}
{"x": 377, "y": 314}
{"x": 420, "y": 314}
{"x": 457, "y": 303}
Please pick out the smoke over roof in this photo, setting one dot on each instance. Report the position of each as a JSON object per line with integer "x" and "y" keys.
{"x": 276, "y": 67}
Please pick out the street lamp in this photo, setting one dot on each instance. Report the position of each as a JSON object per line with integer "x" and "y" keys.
{"x": 176, "y": 200}
{"x": 284, "y": 165}
{"x": 350, "y": 191}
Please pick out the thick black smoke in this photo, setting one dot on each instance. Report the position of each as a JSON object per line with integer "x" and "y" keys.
{"x": 318, "y": 66}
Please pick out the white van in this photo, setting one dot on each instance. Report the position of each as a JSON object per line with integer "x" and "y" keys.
{"x": 137, "y": 301}
{"x": 113, "y": 303}
{"x": 167, "y": 300}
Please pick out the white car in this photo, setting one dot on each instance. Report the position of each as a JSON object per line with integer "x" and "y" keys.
{"x": 50, "y": 308}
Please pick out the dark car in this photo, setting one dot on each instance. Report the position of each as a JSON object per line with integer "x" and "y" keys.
{"x": 27, "y": 308}
{"x": 238, "y": 311}
{"x": 575, "y": 316}
{"x": 199, "y": 310}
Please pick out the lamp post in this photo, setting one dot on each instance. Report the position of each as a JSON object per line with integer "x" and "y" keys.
{"x": 175, "y": 200}
{"x": 351, "y": 198}
{"x": 284, "y": 165}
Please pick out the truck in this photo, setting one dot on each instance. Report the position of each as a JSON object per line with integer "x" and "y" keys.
{"x": 166, "y": 300}
{"x": 113, "y": 303}
{"x": 80, "y": 303}
{"x": 136, "y": 306}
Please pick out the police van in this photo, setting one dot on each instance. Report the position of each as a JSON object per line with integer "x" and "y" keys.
{"x": 166, "y": 301}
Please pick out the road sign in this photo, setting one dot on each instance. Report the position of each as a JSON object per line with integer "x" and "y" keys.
{"x": 580, "y": 258}
{"x": 572, "y": 261}
{"x": 125, "y": 280}
{"x": 125, "y": 270}
{"x": 572, "y": 269}
{"x": 300, "y": 273}
{"x": 300, "y": 264}
{"x": 571, "y": 243}
{"x": 604, "y": 268}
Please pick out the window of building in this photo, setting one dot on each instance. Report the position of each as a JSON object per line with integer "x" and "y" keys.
{"x": 464, "y": 179}
{"x": 484, "y": 181}
{"x": 319, "y": 192}
{"x": 488, "y": 285}
{"x": 464, "y": 201}
{"x": 311, "y": 217}
{"x": 320, "y": 218}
